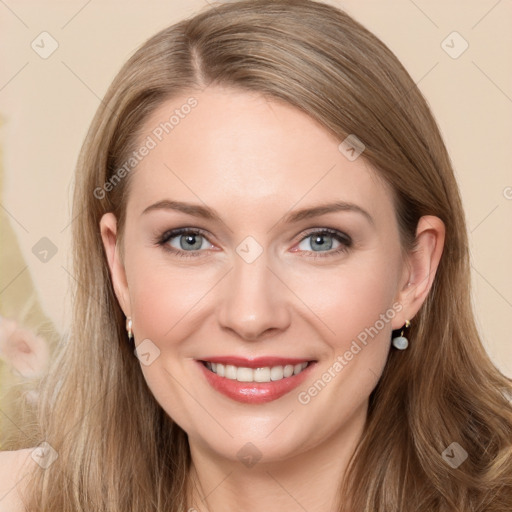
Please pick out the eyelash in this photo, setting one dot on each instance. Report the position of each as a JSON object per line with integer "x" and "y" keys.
{"x": 345, "y": 241}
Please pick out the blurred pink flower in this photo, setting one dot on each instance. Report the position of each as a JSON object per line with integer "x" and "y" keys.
{"x": 26, "y": 353}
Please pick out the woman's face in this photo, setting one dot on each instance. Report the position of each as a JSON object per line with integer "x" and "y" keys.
{"x": 265, "y": 272}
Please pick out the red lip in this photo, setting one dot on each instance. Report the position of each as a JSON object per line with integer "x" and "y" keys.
{"x": 254, "y": 392}
{"x": 256, "y": 362}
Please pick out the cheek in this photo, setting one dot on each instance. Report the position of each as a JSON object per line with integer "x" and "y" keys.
{"x": 165, "y": 296}
{"x": 166, "y": 301}
{"x": 350, "y": 299}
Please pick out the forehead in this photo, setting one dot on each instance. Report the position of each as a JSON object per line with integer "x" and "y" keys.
{"x": 234, "y": 149}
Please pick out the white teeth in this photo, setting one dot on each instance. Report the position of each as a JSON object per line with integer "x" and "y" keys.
{"x": 276, "y": 373}
{"x": 230, "y": 372}
{"x": 262, "y": 374}
{"x": 266, "y": 374}
{"x": 288, "y": 370}
{"x": 244, "y": 374}
{"x": 299, "y": 367}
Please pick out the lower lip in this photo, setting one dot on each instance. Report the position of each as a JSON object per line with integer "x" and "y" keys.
{"x": 254, "y": 392}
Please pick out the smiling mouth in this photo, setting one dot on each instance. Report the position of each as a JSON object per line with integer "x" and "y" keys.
{"x": 264, "y": 374}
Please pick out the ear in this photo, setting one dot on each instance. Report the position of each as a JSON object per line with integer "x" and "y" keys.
{"x": 108, "y": 228}
{"x": 420, "y": 268}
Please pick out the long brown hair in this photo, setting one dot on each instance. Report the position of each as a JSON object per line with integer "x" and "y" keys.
{"x": 118, "y": 450}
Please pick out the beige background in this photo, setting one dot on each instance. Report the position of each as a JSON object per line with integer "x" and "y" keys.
{"x": 46, "y": 106}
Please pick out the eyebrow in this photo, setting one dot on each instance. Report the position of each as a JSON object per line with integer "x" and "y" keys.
{"x": 295, "y": 216}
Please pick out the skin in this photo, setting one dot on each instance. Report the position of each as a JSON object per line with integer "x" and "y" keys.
{"x": 253, "y": 161}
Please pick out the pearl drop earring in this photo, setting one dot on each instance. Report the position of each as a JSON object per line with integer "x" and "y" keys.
{"x": 129, "y": 327}
{"x": 401, "y": 342}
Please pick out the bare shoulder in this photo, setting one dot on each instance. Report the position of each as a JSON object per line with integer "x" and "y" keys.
{"x": 14, "y": 469}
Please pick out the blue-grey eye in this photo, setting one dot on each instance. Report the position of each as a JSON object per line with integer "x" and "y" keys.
{"x": 319, "y": 242}
{"x": 189, "y": 242}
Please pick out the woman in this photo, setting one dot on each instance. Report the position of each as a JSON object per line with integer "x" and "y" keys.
{"x": 273, "y": 306}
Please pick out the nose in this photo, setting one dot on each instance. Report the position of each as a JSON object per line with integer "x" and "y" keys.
{"x": 254, "y": 301}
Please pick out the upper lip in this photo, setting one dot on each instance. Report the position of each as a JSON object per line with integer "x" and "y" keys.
{"x": 255, "y": 362}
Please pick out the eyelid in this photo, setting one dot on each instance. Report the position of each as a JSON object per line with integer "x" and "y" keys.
{"x": 172, "y": 233}
{"x": 330, "y": 231}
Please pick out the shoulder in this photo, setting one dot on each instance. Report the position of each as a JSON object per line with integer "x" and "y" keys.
{"x": 14, "y": 469}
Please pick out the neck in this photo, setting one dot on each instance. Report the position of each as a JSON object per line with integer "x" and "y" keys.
{"x": 309, "y": 480}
